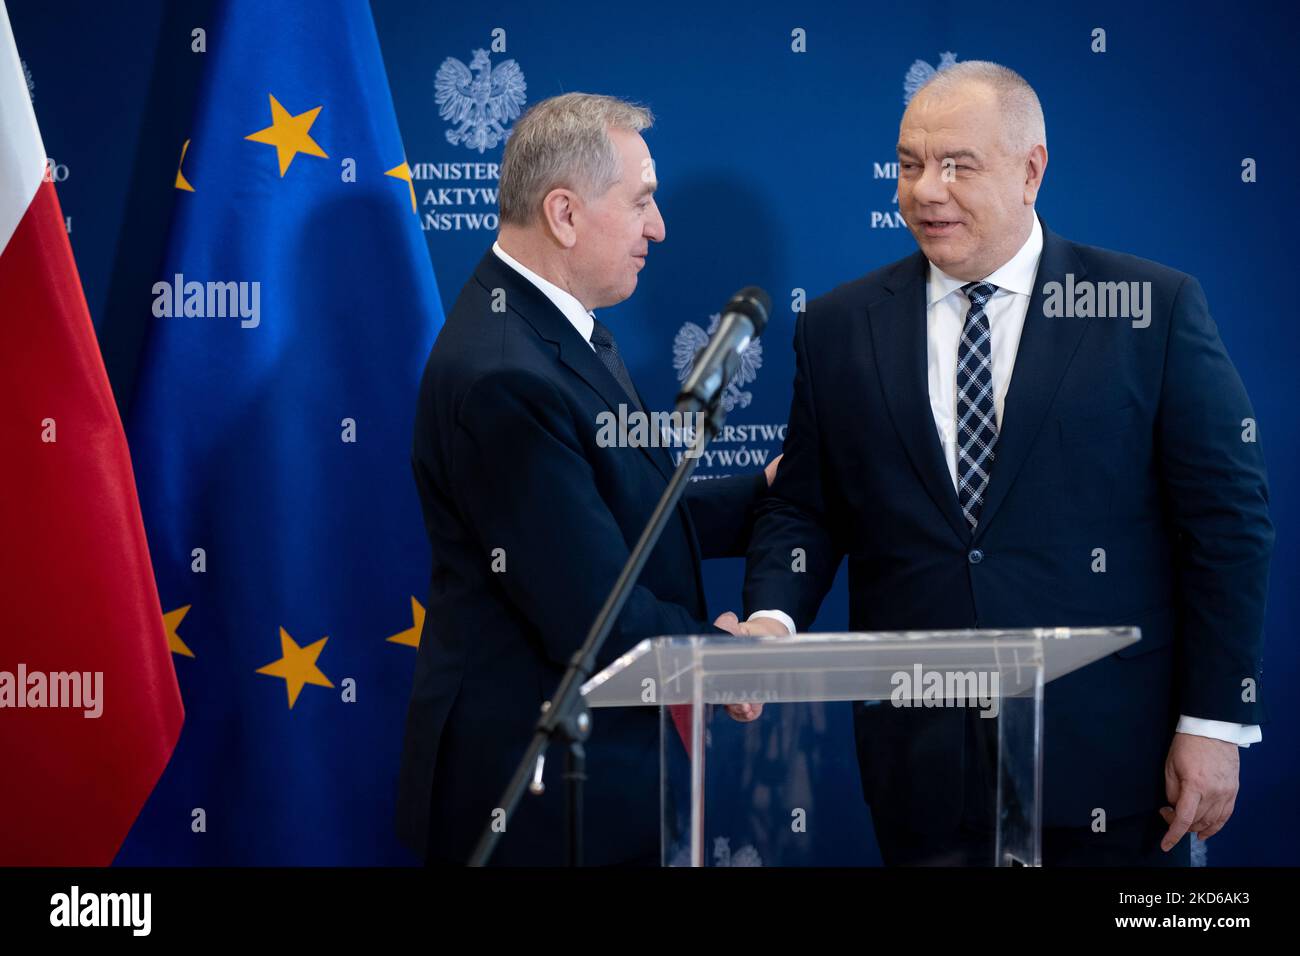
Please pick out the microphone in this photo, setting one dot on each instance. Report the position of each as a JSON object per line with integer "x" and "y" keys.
{"x": 743, "y": 320}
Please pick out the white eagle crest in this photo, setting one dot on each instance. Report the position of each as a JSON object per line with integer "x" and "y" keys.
{"x": 687, "y": 345}
{"x": 479, "y": 98}
{"x": 919, "y": 73}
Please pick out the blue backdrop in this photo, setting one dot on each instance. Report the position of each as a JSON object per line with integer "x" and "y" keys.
{"x": 775, "y": 169}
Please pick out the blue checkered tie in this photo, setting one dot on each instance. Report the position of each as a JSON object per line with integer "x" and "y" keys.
{"x": 977, "y": 427}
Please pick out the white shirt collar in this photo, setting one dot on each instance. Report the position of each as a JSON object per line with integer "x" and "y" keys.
{"x": 1015, "y": 275}
{"x": 578, "y": 317}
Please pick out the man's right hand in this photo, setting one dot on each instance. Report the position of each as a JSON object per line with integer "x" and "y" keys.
{"x": 763, "y": 625}
{"x": 732, "y": 624}
{"x": 758, "y": 627}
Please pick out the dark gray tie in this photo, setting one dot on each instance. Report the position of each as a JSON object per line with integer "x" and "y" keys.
{"x": 607, "y": 351}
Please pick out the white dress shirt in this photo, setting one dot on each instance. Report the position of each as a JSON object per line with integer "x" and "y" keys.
{"x": 579, "y": 317}
{"x": 945, "y": 315}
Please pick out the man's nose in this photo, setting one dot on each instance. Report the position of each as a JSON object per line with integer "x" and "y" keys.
{"x": 655, "y": 230}
{"x": 931, "y": 187}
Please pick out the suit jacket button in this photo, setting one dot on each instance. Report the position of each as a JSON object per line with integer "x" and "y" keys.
{"x": 975, "y": 556}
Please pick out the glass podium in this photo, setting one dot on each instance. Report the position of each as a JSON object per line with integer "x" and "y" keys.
{"x": 742, "y": 794}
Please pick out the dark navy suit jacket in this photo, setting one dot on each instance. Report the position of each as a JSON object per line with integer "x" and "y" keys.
{"x": 1113, "y": 437}
{"x": 506, "y": 456}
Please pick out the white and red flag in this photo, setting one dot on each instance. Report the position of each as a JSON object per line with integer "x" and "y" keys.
{"x": 89, "y": 706}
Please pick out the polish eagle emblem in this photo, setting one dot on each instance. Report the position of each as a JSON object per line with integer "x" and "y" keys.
{"x": 479, "y": 99}
{"x": 691, "y": 339}
{"x": 920, "y": 72}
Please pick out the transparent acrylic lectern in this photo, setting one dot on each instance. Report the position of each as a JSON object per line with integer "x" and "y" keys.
{"x": 742, "y": 794}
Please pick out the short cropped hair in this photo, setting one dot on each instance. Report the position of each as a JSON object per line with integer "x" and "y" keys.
{"x": 1022, "y": 114}
{"x": 563, "y": 142}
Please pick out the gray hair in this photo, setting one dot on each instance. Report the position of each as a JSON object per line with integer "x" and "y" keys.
{"x": 1022, "y": 115}
{"x": 564, "y": 142}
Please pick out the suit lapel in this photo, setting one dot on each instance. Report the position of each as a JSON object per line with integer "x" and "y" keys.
{"x": 550, "y": 323}
{"x": 1047, "y": 345}
{"x": 898, "y": 332}
{"x": 527, "y": 301}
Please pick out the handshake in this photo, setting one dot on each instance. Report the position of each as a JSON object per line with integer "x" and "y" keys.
{"x": 763, "y": 625}
{"x": 733, "y": 625}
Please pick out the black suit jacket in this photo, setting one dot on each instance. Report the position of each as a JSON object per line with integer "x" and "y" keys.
{"x": 1113, "y": 437}
{"x": 510, "y": 473}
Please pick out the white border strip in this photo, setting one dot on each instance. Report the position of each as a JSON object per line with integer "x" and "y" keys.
{"x": 22, "y": 154}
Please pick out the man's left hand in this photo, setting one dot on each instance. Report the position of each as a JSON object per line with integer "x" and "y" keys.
{"x": 1201, "y": 782}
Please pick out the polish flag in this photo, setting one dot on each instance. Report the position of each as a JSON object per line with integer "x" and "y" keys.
{"x": 89, "y": 706}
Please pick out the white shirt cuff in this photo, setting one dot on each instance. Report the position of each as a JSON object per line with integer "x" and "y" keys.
{"x": 1243, "y": 735}
{"x": 776, "y": 616}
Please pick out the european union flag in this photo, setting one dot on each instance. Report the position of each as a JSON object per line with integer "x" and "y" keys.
{"x": 271, "y": 436}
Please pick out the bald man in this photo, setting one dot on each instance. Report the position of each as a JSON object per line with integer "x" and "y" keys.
{"x": 974, "y": 427}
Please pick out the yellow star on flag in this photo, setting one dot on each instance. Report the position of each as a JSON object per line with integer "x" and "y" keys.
{"x": 181, "y": 181}
{"x": 288, "y": 134}
{"x": 172, "y": 620}
{"x": 411, "y": 636}
{"x": 297, "y": 666}
{"x": 404, "y": 172}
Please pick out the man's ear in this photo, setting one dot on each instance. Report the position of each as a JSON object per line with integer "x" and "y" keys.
{"x": 557, "y": 212}
{"x": 1035, "y": 167}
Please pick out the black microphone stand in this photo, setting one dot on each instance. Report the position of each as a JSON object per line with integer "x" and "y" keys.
{"x": 566, "y": 716}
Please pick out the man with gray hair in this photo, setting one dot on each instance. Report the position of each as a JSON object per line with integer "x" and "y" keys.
{"x": 1007, "y": 429}
{"x": 532, "y": 515}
